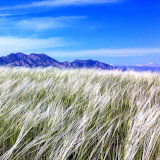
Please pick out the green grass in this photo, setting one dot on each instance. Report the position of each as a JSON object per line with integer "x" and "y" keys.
{"x": 51, "y": 114}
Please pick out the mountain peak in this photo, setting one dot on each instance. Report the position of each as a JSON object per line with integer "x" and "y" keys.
{"x": 90, "y": 64}
{"x": 20, "y": 53}
{"x": 40, "y": 54}
{"x": 17, "y": 54}
{"x": 43, "y": 60}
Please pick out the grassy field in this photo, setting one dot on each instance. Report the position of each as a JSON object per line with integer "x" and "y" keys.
{"x": 51, "y": 114}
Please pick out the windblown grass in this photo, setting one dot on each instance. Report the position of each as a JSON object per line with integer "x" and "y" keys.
{"x": 51, "y": 114}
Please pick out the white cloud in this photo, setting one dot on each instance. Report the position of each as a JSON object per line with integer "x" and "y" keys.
{"x": 108, "y": 52}
{"x": 28, "y": 45}
{"x": 38, "y": 24}
{"x": 45, "y": 23}
{"x": 6, "y": 15}
{"x": 14, "y": 44}
{"x": 56, "y": 3}
{"x": 70, "y": 2}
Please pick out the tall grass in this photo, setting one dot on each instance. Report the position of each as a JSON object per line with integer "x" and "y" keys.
{"x": 51, "y": 114}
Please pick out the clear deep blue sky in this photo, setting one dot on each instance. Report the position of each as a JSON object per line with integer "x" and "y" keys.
{"x": 113, "y": 31}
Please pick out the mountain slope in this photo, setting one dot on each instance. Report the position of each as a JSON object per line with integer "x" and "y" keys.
{"x": 90, "y": 64}
{"x": 42, "y": 60}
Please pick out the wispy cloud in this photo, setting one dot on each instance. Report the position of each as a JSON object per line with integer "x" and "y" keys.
{"x": 58, "y": 3}
{"x": 6, "y": 15}
{"x": 28, "y": 45}
{"x": 108, "y": 52}
{"x": 15, "y": 44}
{"x": 38, "y": 23}
{"x": 45, "y": 23}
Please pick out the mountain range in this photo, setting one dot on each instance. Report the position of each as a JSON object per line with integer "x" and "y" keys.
{"x": 148, "y": 65}
{"x": 42, "y": 60}
{"x": 142, "y": 68}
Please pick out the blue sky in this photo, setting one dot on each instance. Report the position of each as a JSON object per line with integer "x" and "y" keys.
{"x": 113, "y": 31}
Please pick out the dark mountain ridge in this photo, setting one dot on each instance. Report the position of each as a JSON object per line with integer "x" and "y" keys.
{"x": 41, "y": 60}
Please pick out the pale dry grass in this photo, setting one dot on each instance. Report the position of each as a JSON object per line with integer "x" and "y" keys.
{"x": 52, "y": 114}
